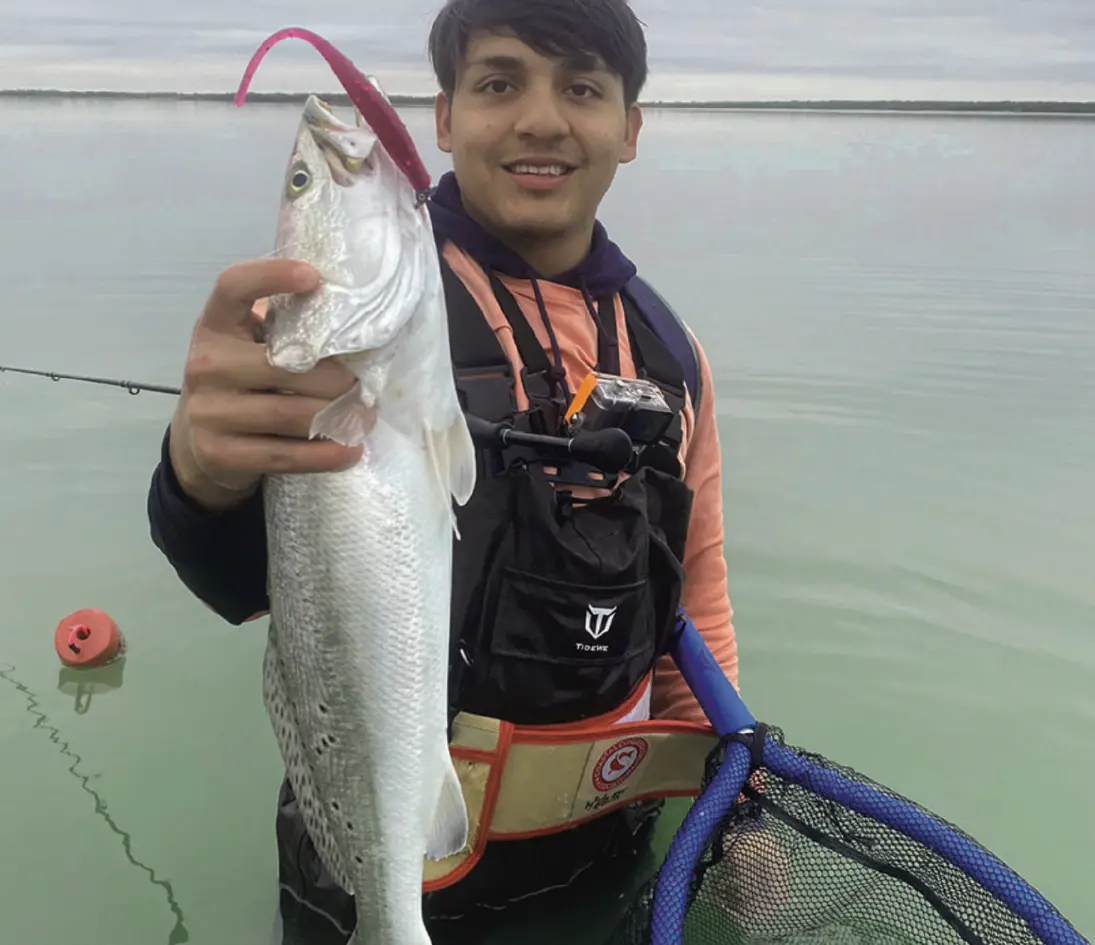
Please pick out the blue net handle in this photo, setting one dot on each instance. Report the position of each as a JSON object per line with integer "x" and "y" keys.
{"x": 674, "y": 880}
{"x": 728, "y": 714}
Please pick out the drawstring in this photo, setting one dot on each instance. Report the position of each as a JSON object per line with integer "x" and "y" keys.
{"x": 558, "y": 372}
{"x": 608, "y": 344}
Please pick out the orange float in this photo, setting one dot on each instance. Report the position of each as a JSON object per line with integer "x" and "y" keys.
{"x": 88, "y": 638}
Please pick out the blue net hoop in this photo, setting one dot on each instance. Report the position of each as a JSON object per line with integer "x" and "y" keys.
{"x": 748, "y": 750}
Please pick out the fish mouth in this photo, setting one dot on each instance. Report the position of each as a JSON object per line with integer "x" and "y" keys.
{"x": 348, "y": 149}
{"x": 322, "y": 120}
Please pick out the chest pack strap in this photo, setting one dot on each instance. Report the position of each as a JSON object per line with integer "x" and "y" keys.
{"x": 532, "y": 353}
{"x": 670, "y": 330}
{"x": 528, "y": 346}
{"x": 661, "y": 346}
{"x": 483, "y": 373}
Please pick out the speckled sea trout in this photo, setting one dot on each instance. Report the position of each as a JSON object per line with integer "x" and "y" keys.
{"x": 356, "y": 667}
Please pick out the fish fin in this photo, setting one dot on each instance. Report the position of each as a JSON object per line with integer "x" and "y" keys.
{"x": 449, "y": 832}
{"x": 346, "y": 420}
{"x": 453, "y": 456}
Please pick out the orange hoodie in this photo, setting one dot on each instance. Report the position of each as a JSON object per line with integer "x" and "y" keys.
{"x": 705, "y": 596}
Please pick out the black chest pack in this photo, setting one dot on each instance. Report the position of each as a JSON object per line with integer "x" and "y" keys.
{"x": 562, "y": 599}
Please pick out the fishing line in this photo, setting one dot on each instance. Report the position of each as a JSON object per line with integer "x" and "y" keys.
{"x": 179, "y": 933}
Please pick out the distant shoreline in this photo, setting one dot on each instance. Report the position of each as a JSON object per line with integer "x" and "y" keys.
{"x": 1074, "y": 109}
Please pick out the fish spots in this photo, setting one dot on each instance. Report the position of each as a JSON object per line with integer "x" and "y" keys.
{"x": 325, "y": 742}
{"x": 312, "y": 809}
{"x": 323, "y": 822}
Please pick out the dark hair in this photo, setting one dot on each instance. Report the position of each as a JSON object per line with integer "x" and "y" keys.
{"x": 605, "y": 29}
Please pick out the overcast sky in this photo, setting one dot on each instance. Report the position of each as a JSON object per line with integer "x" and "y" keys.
{"x": 958, "y": 49}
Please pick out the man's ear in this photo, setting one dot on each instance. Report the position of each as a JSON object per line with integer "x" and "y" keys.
{"x": 630, "y": 146}
{"x": 443, "y": 119}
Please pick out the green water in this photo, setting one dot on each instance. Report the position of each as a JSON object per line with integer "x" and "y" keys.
{"x": 898, "y": 311}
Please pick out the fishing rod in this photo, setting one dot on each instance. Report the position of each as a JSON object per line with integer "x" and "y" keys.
{"x": 608, "y": 449}
{"x": 133, "y": 387}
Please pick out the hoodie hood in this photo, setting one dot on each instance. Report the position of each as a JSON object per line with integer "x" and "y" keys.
{"x": 604, "y": 271}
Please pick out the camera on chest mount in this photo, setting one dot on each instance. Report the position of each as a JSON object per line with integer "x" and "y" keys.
{"x": 605, "y": 430}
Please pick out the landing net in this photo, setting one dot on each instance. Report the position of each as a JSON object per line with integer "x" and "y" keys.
{"x": 784, "y": 846}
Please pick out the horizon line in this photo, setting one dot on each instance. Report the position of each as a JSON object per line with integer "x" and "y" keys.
{"x": 1016, "y": 106}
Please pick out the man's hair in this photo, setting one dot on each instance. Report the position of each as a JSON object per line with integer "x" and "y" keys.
{"x": 607, "y": 30}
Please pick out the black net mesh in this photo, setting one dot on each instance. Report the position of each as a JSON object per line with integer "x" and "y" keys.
{"x": 789, "y": 866}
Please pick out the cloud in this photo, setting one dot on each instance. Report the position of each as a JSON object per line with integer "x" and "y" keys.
{"x": 698, "y": 48}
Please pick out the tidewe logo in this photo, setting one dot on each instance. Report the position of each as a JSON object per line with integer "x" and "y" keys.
{"x": 599, "y": 621}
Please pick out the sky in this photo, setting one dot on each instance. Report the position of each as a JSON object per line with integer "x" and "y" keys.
{"x": 699, "y": 49}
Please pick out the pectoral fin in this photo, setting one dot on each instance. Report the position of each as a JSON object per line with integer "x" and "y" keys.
{"x": 346, "y": 420}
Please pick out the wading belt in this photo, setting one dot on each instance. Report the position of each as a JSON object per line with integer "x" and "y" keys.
{"x": 523, "y": 782}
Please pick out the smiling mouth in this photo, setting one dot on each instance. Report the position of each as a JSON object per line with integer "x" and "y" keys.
{"x": 539, "y": 170}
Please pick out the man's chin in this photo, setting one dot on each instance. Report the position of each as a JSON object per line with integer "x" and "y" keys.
{"x": 533, "y": 227}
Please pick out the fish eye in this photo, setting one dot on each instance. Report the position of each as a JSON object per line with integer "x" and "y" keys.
{"x": 299, "y": 180}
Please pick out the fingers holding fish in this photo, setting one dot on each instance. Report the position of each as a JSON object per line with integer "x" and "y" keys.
{"x": 242, "y": 427}
{"x": 235, "y": 365}
{"x": 230, "y": 306}
{"x": 228, "y": 458}
{"x": 229, "y": 429}
{"x": 267, "y": 413}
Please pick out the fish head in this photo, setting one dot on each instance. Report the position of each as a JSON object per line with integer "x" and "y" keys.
{"x": 348, "y": 210}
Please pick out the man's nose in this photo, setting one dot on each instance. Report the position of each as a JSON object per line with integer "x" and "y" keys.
{"x": 542, "y": 115}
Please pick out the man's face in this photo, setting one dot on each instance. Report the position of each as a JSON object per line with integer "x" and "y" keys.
{"x": 516, "y": 120}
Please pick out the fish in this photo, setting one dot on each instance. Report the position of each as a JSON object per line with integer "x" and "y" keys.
{"x": 355, "y": 671}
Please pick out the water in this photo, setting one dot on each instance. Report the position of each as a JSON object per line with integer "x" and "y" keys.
{"x": 898, "y": 315}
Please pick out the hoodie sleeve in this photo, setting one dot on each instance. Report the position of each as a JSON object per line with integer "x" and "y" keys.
{"x": 706, "y": 598}
{"x": 219, "y": 556}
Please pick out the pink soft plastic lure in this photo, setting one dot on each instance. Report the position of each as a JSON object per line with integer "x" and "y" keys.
{"x": 379, "y": 115}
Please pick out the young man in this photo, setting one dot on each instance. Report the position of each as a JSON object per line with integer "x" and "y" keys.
{"x": 537, "y": 109}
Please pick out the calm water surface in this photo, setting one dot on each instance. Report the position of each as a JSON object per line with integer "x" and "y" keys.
{"x": 898, "y": 312}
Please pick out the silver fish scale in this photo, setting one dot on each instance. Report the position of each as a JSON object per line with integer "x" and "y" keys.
{"x": 359, "y": 566}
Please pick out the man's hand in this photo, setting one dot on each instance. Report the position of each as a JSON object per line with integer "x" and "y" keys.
{"x": 239, "y": 418}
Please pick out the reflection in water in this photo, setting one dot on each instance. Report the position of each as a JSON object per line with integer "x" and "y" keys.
{"x": 179, "y": 934}
{"x": 82, "y": 684}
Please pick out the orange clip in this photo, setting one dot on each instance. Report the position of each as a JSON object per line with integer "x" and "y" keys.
{"x": 582, "y": 395}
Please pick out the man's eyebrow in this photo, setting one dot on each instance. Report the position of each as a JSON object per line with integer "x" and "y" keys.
{"x": 497, "y": 63}
{"x": 575, "y": 62}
